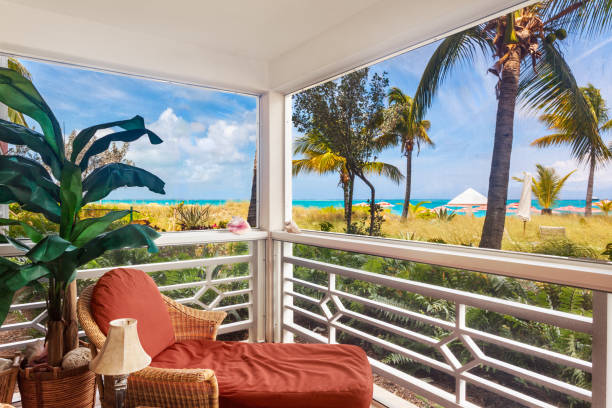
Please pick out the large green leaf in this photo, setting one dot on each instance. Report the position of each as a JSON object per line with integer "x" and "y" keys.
{"x": 130, "y": 236}
{"x": 6, "y": 299}
{"x": 101, "y": 182}
{"x": 85, "y": 135}
{"x": 12, "y": 278}
{"x": 19, "y": 93}
{"x": 22, "y": 136}
{"x": 30, "y": 231}
{"x": 24, "y": 275}
{"x": 89, "y": 228}
{"x": 30, "y": 195}
{"x": 14, "y": 242}
{"x": 71, "y": 193}
{"x": 49, "y": 248}
{"x": 102, "y": 144}
{"x": 22, "y": 167}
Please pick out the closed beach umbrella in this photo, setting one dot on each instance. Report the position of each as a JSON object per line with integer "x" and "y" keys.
{"x": 468, "y": 199}
{"x": 524, "y": 207}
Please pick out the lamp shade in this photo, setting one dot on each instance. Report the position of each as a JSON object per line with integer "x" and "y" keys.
{"x": 122, "y": 352}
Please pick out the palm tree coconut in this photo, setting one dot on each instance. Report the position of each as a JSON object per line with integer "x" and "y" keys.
{"x": 58, "y": 190}
{"x": 587, "y": 147}
{"x": 530, "y": 65}
{"x": 400, "y": 128}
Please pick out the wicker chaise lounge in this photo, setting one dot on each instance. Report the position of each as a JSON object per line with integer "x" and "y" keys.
{"x": 191, "y": 369}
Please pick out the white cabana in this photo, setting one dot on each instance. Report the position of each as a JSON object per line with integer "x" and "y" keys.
{"x": 468, "y": 199}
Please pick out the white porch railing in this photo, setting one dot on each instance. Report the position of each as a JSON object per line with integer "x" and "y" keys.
{"x": 255, "y": 241}
{"x": 331, "y": 310}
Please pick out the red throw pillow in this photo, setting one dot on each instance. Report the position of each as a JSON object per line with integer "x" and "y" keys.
{"x": 125, "y": 292}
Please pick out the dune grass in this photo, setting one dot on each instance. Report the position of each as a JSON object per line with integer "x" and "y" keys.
{"x": 593, "y": 232}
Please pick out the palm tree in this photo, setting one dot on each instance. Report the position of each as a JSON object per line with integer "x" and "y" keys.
{"x": 400, "y": 128}
{"x": 530, "y": 66}
{"x": 319, "y": 158}
{"x": 547, "y": 186}
{"x": 587, "y": 148}
{"x": 605, "y": 206}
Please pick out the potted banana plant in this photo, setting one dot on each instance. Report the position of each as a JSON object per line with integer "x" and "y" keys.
{"x": 58, "y": 187}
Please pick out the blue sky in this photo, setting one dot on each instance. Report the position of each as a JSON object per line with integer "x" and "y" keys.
{"x": 210, "y": 136}
{"x": 463, "y": 123}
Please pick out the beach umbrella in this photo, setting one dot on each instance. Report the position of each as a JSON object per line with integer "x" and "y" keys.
{"x": 524, "y": 207}
{"x": 468, "y": 199}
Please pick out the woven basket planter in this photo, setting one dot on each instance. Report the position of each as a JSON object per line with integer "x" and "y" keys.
{"x": 57, "y": 388}
{"x": 8, "y": 379}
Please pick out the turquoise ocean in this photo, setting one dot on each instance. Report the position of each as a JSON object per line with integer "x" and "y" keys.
{"x": 396, "y": 209}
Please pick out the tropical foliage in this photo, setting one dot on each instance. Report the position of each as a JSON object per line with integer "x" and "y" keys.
{"x": 401, "y": 128}
{"x": 587, "y": 147}
{"x": 343, "y": 121}
{"x": 58, "y": 191}
{"x": 530, "y": 65}
{"x": 546, "y": 186}
{"x": 319, "y": 158}
{"x": 605, "y": 206}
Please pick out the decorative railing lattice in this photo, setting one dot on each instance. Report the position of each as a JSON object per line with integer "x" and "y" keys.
{"x": 224, "y": 297}
{"x": 317, "y": 312}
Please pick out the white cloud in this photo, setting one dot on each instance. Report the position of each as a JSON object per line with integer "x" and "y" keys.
{"x": 193, "y": 152}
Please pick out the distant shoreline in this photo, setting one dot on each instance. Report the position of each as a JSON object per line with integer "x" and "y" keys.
{"x": 395, "y": 209}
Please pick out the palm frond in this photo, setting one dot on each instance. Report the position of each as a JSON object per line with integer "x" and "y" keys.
{"x": 586, "y": 18}
{"x": 554, "y": 139}
{"x": 453, "y": 50}
{"x": 384, "y": 169}
{"x": 551, "y": 87}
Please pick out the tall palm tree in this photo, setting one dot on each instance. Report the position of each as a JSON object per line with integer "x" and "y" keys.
{"x": 530, "y": 66}
{"x": 547, "y": 186}
{"x": 399, "y": 128}
{"x": 587, "y": 148}
{"x": 319, "y": 158}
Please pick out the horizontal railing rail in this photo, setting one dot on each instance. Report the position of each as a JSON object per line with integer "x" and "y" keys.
{"x": 588, "y": 274}
{"x": 330, "y": 309}
{"x": 201, "y": 287}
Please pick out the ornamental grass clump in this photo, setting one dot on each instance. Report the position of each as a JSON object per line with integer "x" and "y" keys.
{"x": 58, "y": 187}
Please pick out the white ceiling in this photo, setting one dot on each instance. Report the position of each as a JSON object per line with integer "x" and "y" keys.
{"x": 241, "y": 45}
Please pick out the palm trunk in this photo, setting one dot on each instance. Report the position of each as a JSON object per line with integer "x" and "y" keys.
{"x": 493, "y": 229}
{"x": 348, "y": 204}
{"x": 408, "y": 184}
{"x": 4, "y": 208}
{"x": 71, "y": 329}
{"x": 372, "y": 201}
{"x": 588, "y": 210}
{"x": 252, "y": 215}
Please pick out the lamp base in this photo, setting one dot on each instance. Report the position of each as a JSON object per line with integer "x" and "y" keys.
{"x": 120, "y": 385}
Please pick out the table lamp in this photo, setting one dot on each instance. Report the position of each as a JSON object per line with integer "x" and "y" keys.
{"x": 121, "y": 355}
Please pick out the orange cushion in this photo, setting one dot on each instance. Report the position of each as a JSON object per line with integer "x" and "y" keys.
{"x": 125, "y": 292}
{"x": 278, "y": 375}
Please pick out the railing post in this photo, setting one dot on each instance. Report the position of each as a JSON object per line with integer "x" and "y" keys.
{"x": 602, "y": 350}
{"x": 257, "y": 310}
{"x": 286, "y": 286}
{"x": 460, "y": 385}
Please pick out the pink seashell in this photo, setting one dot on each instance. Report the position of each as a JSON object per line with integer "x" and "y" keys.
{"x": 238, "y": 226}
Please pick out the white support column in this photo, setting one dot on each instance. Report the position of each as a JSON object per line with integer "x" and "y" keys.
{"x": 602, "y": 350}
{"x": 4, "y": 209}
{"x": 275, "y": 187}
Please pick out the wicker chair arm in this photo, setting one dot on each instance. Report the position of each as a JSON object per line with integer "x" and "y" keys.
{"x": 173, "y": 388}
{"x": 89, "y": 325}
{"x": 193, "y": 324}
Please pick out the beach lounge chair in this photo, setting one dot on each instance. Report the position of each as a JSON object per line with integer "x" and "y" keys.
{"x": 191, "y": 369}
{"x": 552, "y": 232}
